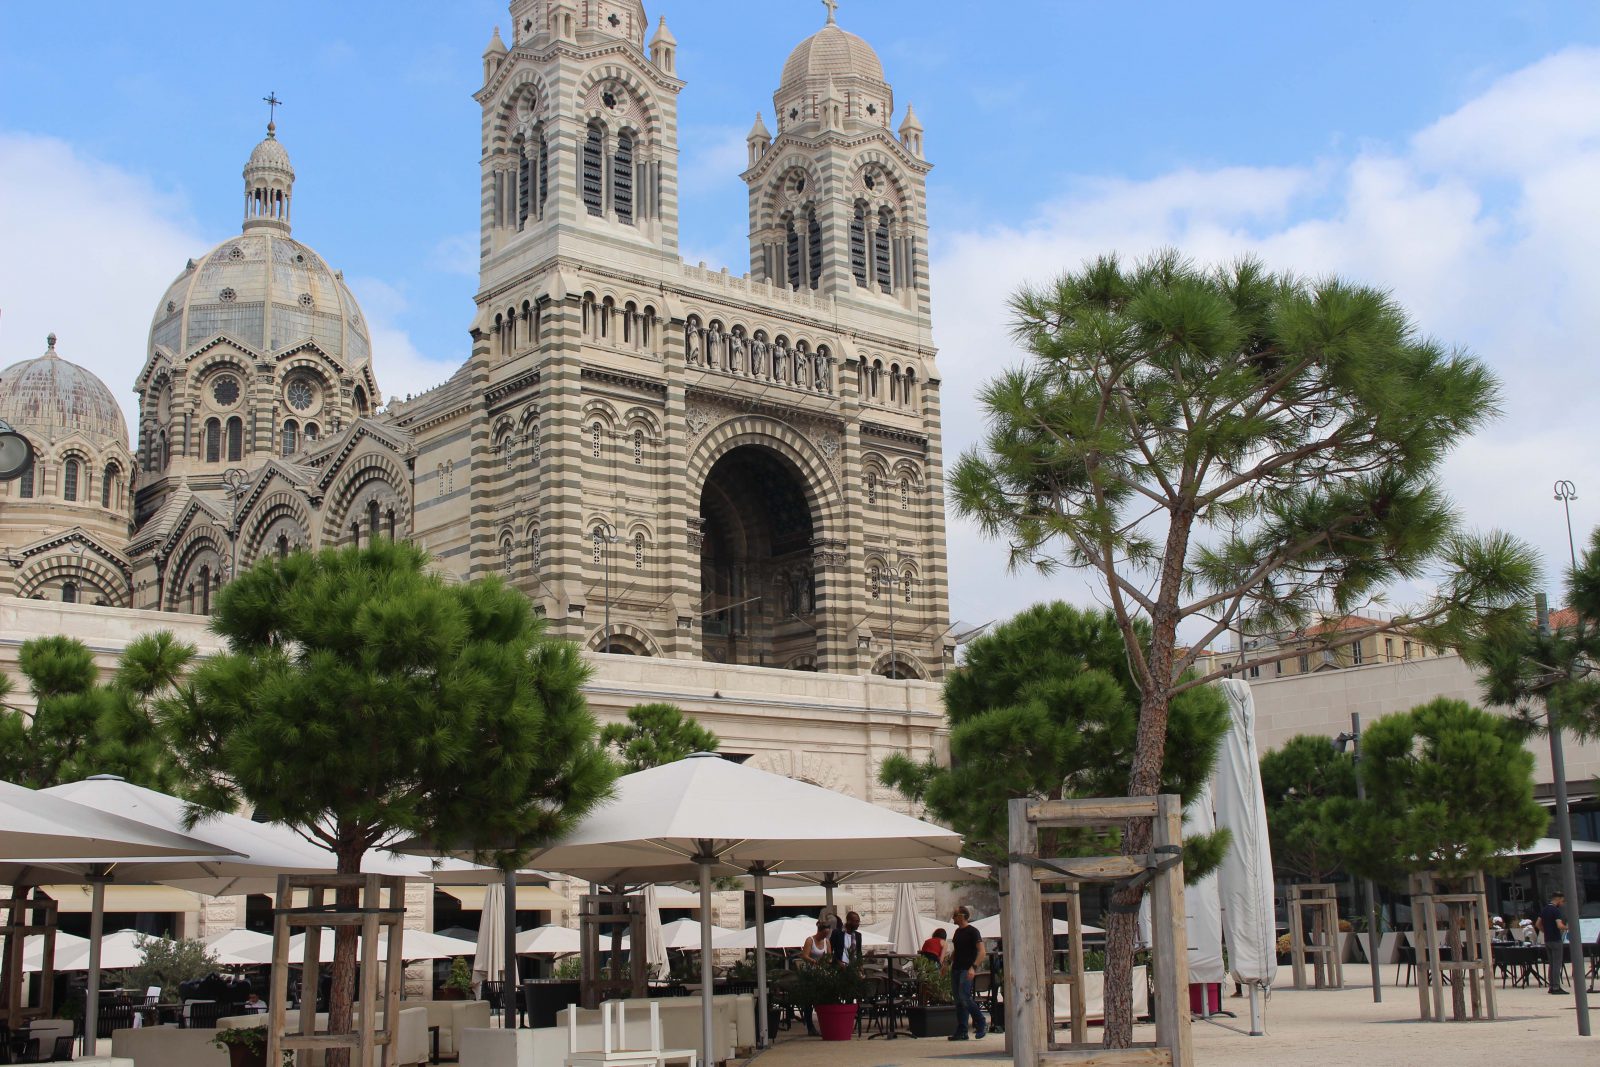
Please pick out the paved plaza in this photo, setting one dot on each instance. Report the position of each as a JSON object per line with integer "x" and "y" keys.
{"x": 1318, "y": 1029}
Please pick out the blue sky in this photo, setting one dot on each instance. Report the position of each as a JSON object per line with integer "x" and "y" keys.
{"x": 1440, "y": 149}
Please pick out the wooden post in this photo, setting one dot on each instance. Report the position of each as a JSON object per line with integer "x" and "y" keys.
{"x": 1025, "y": 1013}
{"x": 1485, "y": 941}
{"x": 1080, "y": 1023}
{"x": 1168, "y": 922}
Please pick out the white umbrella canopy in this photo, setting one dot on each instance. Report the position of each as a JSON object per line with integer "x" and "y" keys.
{"x": 490, "y": 959}
{"x": 903, "y": 934}
{"x": 926, "y": 925}
{"x": 989, "y": 928}
{"x": 965, "y": 870}
{"x": 792, "y": 933}
{"x": 118, "y": 951}
{"x": 684, "y": 935}
{"x": 33, "y": 949}
{"x": 1548, "y": 848}
{"x": 45, "y": 825}
{"x": 238, "y": 948}
{"x": 414, "y": 945}
{"x": 706, "y": 816}
{"x": 549, "y": 941}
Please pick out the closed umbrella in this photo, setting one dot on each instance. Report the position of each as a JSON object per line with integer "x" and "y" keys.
{"x": 1245, "y": 881}
{"x": 903, "y": 926}
{"x": 490, "y": 958}
{"x": 708, "y": 816}
{"x": 655, "y": 946}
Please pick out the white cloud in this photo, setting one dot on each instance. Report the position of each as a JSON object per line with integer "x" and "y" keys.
{"x": 1483, "y": 225}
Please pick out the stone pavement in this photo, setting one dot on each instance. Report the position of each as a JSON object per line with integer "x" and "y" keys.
{"x": 1317, "y": 1029}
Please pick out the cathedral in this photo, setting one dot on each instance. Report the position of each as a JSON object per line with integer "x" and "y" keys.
{"x": 672, "y": 461}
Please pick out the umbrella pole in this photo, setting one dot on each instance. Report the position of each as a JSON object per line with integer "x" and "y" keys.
{"x": 761, "y": 958}
{"x": 706, "y": 982}
{"x": 91, "y": 1001}
{"x": 510, "y": 991}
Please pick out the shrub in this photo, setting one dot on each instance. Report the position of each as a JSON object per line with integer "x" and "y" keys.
{"x": 168, "y": 964}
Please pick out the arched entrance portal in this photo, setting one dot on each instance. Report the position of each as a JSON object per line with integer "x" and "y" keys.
{"x": 757, "y": 584}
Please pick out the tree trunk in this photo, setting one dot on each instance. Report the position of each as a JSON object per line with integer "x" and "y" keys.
{"x": 342, "y": 992}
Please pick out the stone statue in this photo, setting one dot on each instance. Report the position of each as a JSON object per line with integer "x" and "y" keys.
{"x": 696, "y": 350}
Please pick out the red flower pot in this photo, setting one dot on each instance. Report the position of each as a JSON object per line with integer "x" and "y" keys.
{"x": 836, "y": 1021}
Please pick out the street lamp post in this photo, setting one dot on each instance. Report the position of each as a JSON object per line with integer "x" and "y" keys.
{"x": 1374, "y": 934}
{"x": 1566, "y": 492}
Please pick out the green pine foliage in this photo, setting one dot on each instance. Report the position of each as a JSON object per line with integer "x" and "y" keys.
{"x": 363, "y": 700}
{"x": 82, "y": 726}
{"x": 1045, "y": 706}
{"x": 1309, "y": 786}
{"x": 168, "y": 964}
{"x": 655, "y": 734}
{"x": 1449, "y": 789}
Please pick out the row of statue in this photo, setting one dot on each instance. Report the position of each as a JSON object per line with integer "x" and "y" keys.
{"x": 753, "y": 357}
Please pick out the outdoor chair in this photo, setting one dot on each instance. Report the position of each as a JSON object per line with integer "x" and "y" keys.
{"x": 492, "y": 992}
{"x": 117, "y": 1015}
{"x": 1408, "y": 961}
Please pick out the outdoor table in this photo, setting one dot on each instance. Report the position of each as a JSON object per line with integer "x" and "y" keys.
{"x": 893, "y": 984}
{"x": 1519, "y": 964}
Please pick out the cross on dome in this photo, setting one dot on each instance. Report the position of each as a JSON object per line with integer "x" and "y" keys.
{"x": 833, "y": 11}
{"x": 273, "y": 103}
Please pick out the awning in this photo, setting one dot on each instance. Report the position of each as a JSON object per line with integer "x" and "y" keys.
{"x": 529, "y": 897}
{"x": 76, "y": 899}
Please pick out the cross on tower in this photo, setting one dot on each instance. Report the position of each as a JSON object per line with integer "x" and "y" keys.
{"x": 833, "y": 9}
{"x": 272, "y": 102}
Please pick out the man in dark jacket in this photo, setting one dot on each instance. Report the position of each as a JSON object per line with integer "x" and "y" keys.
{"x": 1554, "y": 929}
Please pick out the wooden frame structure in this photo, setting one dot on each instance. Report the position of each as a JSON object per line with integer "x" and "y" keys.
{"x": 1458, "y": 921}
{"x": 1315, "y": 942}
{"x": 16, "y": 929}
{"x": 1029, "y": 1018}
{"x": 380, "y": 909}
{"x": 599, "y": 910}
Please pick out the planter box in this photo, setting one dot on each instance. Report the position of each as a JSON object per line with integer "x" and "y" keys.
{"x": 931, "y": 1020}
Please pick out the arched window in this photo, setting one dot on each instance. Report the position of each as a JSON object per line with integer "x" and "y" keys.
{"x": 872, "y": 488}
{"x": 108, "y": 482}
{"x": 638, "y": 552}
{"x": 814, "y": 241}
{"x": 389, "y": 522}
{"x": 165, "y": 451}
{"x": 525, "y": 180}
{"x": 791, "y": 250}
{"x": 608, "y": 308}
{"x": 372, "y": 520}
{"x": 638, "y": 447}
{"x": 283, "y": 545}
{"x": 873, "y": 577}
{"x": 361, "y": 402}
{"x": 291, "y": 437}
{"x": 905, "y": 494}
{"x": 880, "y": 251}
{"x": 858, "y": 245}
{"x": 312, "y": 433}
{"x": 622, "y": 177}
{"x": 69, "y": 592}
{"x": 599, "y": 539}
{"x": 235, "y": 439}
{"x": 535, "y": 548}
{"x": 25, "y": 485}
{"x": 507, "y": 553}
{"x": 594, "y": 440}
{"x": 592, "y": 178}
{"x": 205, "y": 590}
{"x": 908, "y": 391}
{"x": 213, "y": 440}
{"x": 905, "y": 584}
{"x": 69, "y": 479}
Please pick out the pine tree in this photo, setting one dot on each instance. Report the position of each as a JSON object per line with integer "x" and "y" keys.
{"x": 655, "y": 734}
{"x": 1309, "y": 786}
{"x": 363, "y": 700}
{"x": 1231, "y": 450}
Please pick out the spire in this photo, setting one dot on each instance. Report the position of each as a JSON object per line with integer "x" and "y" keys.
{"x": 664, "y": 48}
{"x": 911, "y": 132}
{"x": 268, "y": 180}
{"x": 497, "y": 47}
{"x": 759, "y": 131}
{"x": 759, "y": 140}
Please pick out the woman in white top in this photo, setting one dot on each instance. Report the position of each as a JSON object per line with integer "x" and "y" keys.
{"x": 816, "y": 950}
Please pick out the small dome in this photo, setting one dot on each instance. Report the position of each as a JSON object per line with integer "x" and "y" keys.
{"x": 831, "y": 53}
{"x": 271, "y": 153}
{"x": 52, "y": 399}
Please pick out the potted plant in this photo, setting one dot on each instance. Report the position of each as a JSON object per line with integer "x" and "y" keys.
{"x": 833, "y": 991}
{"x": 246, "y": 1046}
{"x": 933, "y": 1011}
{"x": 458, "y": 985}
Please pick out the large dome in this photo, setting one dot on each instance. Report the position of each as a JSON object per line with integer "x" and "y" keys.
{"x": 263, "y": 289}
{"x": 831, "y": 53}
{"x": 50, "y": 398}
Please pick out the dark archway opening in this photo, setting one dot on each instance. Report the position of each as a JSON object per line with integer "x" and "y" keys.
{"x": 757, "y": 582}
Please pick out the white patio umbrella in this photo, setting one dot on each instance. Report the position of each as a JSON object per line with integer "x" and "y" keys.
{"x": 965, "y": 871}
{"x": 41, "y": 825}
{"x": 549, "y": 941}
{"x": 926, "y": 925}
{"x": 1549, "y": 848}
{"x": 655, "y": 946}
{"x": 240, "y": 948}
{"x": 989, "y": 928}
{"x": 33, "y": 949}
{"x": 414, "y": 945}
{"x": 1245, "y": 881}
{"x": 118, "y": 952}
{"x": 490, "y": 958}
{"x": 790, "y": 933}
{"x": 709, "y": 816}
{"x": 684, "y": 935}
{"x": 903, "y": 934}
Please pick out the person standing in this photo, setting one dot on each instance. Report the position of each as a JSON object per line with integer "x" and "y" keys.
{"x": 966, "y": 953}
{"x": 847, "y": 941}
{"x": 1554, "y": 928}
{"x": 815, "y": 952}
